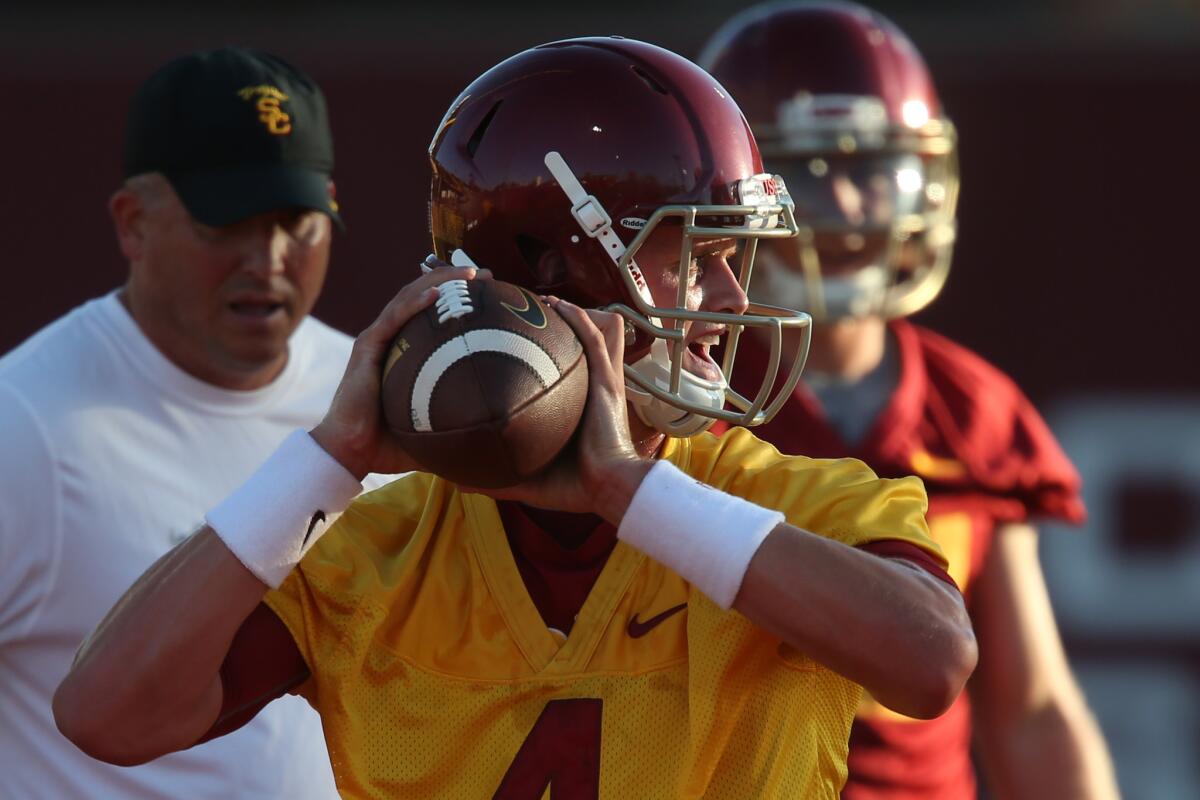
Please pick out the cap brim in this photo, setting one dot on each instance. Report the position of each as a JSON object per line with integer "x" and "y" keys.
{"x": 224, "y": 197}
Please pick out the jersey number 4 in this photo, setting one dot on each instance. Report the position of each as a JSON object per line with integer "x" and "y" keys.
{"x": 562, "y": 751}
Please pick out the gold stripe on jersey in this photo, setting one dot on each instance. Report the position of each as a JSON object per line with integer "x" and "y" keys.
{"x": 435, "y": 676}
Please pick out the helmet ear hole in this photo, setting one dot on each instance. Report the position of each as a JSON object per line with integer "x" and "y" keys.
{"x": 546, "y": 264}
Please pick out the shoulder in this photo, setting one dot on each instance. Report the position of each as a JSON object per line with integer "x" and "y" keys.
{"x": 52, "y": 353}
{"x": 839, "y": 498}
{"x": 30, "y": 528}
{"x": 61, "y": 368}
{"x": 983, "y": 434}
{"x": 380, "y": 527}
{"x": 27, "y": 465}
{"x": 953, "y": 366}
{"x": 738, "y": 455}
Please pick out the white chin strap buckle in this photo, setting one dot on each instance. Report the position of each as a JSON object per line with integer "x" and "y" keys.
{"x": 585, "y": 208}
{"x": 591, "y": 216}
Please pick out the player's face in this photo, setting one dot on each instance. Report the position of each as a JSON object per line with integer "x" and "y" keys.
{"x": 851, "y": 201}
{"x": 712, "y": 285}
{"x": 222, "y": 301}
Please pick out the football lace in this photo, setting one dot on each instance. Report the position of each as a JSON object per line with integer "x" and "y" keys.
{"x": 454, "y": 300}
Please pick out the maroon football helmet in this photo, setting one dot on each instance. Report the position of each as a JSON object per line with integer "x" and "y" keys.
{"x": 844, "y": 108}
{"x": 552, "y": 168}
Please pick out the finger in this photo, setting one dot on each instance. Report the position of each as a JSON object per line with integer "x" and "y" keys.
{"x": 601, "y": 368}
{"x": 431, "y": 263}
{"x": 612, "y": 325}
{"x": 409, "y": 302}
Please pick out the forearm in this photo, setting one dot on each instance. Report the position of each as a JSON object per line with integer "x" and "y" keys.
{"x": 842, "y": 606}
{"x": 147, "y": 681}
{"x": 901, "y": 633}
{"x": 1037, "y": 737}
{"x": 1051, "y": 752}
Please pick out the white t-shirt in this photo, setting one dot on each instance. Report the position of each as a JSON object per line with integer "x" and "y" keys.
{"x": 109, "y": 456}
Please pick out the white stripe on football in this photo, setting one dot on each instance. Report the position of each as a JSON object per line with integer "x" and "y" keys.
{"x": 487, "y": 340}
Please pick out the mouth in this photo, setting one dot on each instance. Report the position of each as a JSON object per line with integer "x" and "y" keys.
{"x": 257, "y": 308}
{"x": 698, "y": 359}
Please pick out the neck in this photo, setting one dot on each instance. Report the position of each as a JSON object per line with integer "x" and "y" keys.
{"x": 196, "y": 364}
{"x": 847, "y": 349}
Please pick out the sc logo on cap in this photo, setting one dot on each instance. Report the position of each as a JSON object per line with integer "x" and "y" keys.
{"x": 278, "y": 122}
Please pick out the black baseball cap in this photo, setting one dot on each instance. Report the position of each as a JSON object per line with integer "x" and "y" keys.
{"x": 237, "y": 132}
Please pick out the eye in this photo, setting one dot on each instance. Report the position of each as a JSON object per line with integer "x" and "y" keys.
{"x": 305, "y": 226}
{"x": 209, "y": 233}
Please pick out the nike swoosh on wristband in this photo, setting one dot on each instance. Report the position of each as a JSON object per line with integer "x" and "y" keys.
{"x": 318, "y": 516}
{"x": 637, "y": 629}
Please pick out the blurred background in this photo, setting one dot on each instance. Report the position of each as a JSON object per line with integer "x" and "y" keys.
{"x": 1081, "y": 181}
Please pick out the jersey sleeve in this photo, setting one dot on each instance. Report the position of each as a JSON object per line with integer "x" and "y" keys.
{"x": 29, "y": 526}
{"x": 332, "y": 601}
{"x": 840, "y": 499}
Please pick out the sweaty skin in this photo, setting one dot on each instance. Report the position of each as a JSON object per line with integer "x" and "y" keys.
{"x": 150, "y": 680}
{"x": 220, "y": 303}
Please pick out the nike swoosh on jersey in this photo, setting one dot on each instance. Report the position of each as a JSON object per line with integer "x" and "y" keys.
{"x": 531, "y": 314}
{"x": 637, "y": 629}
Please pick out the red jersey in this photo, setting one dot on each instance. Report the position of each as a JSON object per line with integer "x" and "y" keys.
{"x": 987, "y": 458}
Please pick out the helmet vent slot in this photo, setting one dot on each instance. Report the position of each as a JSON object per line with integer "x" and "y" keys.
{"x": 480, "y": 131}
{"x": 648, "y": 79}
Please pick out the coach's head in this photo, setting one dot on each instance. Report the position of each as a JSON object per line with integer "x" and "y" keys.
{"x": 226, "y": 211}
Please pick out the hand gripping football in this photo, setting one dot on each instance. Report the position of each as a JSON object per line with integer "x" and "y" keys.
{"x": 486, "y": 386}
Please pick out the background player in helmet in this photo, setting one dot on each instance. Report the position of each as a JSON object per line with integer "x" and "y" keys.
{"x": 461, "y": 647}
{"x": 843, "y": 106}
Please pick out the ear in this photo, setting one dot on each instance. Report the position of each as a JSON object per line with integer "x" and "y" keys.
{"x": 551, "y": 269}
{"x": 128, "y": 216}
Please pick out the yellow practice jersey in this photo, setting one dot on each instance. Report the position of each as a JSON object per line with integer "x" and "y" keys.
{"x": 436, "y": 677}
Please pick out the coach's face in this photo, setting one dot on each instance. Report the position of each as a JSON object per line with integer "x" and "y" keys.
{"x": 219, "y": 302}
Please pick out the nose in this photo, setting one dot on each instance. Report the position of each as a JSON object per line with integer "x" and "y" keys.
{"x": 722, "y": 292}
{"x": 265, "y": 251}
{"x": 848, "y": 198}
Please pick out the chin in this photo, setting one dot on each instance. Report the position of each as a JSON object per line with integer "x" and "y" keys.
{"x": 259, "y": 355}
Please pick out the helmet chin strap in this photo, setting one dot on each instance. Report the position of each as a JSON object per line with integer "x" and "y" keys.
{"x": 664, "y": 417}
{"x": 655, "y": 366}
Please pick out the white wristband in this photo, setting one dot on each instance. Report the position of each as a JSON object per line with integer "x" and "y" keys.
{"x": 704, "y": 534}
{"x": 274, "y": 517}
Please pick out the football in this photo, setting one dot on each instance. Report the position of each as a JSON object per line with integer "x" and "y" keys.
{"x": 485, "y": 387}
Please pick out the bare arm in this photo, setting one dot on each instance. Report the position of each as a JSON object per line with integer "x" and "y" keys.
{"x": 1037, "y": 737}
{"x": 847, "y": 608}
{"x": 147, "y": 681}
{"x": 842, "y": 606}
{"x": 884, "y": 623}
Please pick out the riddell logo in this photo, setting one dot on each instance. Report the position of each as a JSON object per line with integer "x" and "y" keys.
{"x": 636, "y": 274}
{"x": 633, "y": 223}
{"x": 770, "y": 187}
